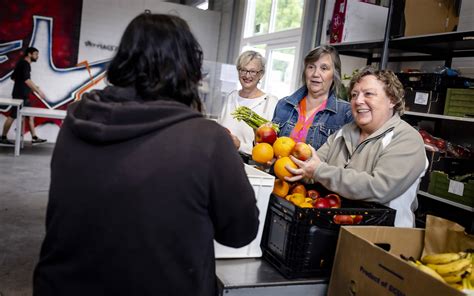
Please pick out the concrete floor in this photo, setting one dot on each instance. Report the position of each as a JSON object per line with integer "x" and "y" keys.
{"x": 24, "y": 184}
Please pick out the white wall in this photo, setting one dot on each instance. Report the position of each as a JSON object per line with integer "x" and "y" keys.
{"x": 103, "y": 23}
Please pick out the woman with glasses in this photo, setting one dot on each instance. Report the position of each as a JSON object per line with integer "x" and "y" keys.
{"x": 314, "y": 111}
{"x": 250, "y": 67}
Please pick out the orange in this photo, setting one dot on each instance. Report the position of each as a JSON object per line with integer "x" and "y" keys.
{"x": 283, "y": 146}
{"x": 298, "y": 188}
{"x": 262, "y": 153}
{"x": 279, "y": 168}
{"x": 281, "y": 188}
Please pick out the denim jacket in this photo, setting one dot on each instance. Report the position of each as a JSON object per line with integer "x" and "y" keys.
{"x": 326, "y": 122}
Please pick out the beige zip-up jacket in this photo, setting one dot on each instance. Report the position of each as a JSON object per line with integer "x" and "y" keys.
{"x": 385, "y": 168}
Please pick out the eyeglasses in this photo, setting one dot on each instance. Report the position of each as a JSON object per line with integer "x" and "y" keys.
{"x": 252, "y": 73}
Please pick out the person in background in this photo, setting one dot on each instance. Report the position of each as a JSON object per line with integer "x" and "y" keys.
{"x": 21, "y": 90}
{"x": 141, "y": 182}
{"x": 314, "y": 112}
{"x": 377, "y": 158}
{"x": 251, "y": 68}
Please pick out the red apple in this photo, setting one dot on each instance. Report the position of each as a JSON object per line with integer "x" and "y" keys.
{"x": 265, "y": 134}
{"x": 314, "y": 194}
{"x": 357, "y": 218}
{"x": 321, "y": 203}
{"x": 334, "y": 200}
{"x": 441, "y": 144}
{"x": 343, "y": 219}
{"x": 301, "y": 151}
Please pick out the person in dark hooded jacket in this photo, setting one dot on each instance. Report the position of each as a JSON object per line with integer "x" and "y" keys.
{"x": 141, "y": 182}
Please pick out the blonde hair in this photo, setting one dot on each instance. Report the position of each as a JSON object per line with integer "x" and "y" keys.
{"x": 249, "y": 55}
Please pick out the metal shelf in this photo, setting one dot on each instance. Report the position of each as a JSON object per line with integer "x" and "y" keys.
{"x": 419, "y": 114}
{"x": 441, "y": 46}
{"x": 446, "y": 201}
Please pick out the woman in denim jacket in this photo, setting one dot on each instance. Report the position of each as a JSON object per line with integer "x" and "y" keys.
{"x": 314, "y": 112}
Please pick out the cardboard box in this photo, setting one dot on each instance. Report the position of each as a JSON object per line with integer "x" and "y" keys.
{"x": 262, "y": 184}
{"x": 430, "y": 16}
{"x": 357, "y": 21}
{"x": 363, "y": 266}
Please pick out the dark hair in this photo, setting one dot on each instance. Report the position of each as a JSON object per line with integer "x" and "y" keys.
{"x": 160, "y": 57}
{"x": 30, "y": 50}
{"x": 392, "y": 86}
{"x": 316, "y": 54}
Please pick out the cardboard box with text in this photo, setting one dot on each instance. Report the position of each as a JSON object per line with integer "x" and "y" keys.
{"x": 368, "y": 263}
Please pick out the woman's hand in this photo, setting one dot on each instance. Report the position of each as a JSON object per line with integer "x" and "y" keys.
{"x": 305, "y": 169}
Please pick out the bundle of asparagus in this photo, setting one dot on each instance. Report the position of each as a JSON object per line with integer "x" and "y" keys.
{"x": 251, "y": 118}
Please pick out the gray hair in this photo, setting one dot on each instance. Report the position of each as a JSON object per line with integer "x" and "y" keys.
{"x": 316, "y": 54}
{"x": 249, "y": 55}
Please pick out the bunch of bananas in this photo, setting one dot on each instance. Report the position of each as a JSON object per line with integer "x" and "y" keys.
{"x": 455, "y": 269}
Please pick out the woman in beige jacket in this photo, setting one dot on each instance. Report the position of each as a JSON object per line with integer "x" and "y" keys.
{"x": 377, "y": 158}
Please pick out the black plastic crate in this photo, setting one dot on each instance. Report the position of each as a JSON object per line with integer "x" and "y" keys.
{"x": 426, "y": 92}
{"x": 301, "y": 242}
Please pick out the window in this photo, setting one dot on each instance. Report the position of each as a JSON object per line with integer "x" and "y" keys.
{"x": 273, "y": 28}
{"x": 269, "y": 16}
{"x": 204, "y": 5}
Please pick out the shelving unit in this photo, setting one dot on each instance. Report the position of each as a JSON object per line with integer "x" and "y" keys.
{"x": 465, "y": 119}
{"x": 446, "y": 201}
{"x": 433, "y": 47}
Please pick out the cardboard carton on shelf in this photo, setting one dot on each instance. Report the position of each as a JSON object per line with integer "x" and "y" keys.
{"x": 423, "y": 17}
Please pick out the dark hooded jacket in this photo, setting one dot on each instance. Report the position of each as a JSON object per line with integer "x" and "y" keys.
{"x": 139, "y": 190}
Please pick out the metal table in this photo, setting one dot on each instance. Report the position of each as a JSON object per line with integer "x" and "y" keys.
{"x": 245, "y": 277}
{"x": 35, "y": 112}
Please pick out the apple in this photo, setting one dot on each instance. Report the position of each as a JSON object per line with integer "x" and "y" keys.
{"x": 343, "y": 219}
{"x": 302, "y": 151}
{"x": 334, "y": 200}
{"x": 265, "y": 134}
{"x": 321, "y": 203}
{"x": 441, "y": 144}
{"x": 357, "y": 218}
{"x": 314, "y": 194}
{"x": 298, "y": 188}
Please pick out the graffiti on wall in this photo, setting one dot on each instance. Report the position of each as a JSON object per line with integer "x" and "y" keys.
{"x": 54, "y": 30}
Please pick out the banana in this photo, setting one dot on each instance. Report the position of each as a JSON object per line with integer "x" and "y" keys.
{"x": 441, "y": 258}
{"x": 466, "y": 284}
{"x": 457, "y": 277}
{"x": 451, "y": 267}
{"x": 430, "y": 271}
{"x": 456, "y": 286}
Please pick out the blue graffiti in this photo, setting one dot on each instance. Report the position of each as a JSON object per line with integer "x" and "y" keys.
{"x": 9, "y": 47}
{"x": 67, "y": 81}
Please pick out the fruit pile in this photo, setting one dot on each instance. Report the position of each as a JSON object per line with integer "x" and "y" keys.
{"x": 298, "y": 195}
{"x": 455, "y": 269}
{"x": 269, "y": 147}
{"x": 440, "y": 145}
